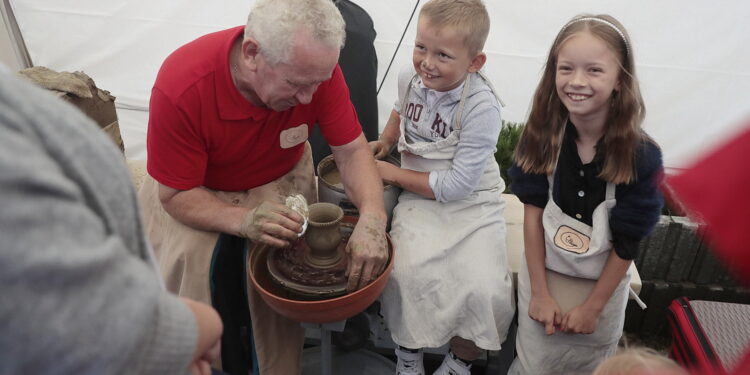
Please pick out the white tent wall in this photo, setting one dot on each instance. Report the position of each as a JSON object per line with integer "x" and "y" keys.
{"x": 692, "y": 57}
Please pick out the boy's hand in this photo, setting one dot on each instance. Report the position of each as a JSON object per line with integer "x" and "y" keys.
{"x": 387, "y": 172}
{"x": 581, "y": 319}
{"x": 381, "y": 148}
{"x": 545, "y": 310}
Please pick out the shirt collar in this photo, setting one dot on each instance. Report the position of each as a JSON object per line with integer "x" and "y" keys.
{"x": 455, "y": 94}
{"x": 569, "y": 142}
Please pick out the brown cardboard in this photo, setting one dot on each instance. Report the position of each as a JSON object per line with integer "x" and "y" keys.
{"x": 80, "y": 90}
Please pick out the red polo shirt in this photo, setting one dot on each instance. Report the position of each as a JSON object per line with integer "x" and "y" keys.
{"x": 203, "y": 132}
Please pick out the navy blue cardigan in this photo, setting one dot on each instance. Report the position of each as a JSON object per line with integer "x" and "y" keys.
{"x": 578, "y": 191}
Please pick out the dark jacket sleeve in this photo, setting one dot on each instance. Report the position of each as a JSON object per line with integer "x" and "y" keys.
{"x": 529, "y": 188}
{"x": 639, "y": 203}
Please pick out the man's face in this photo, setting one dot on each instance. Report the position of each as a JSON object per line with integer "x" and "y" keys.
{"x": 284, "y": 85}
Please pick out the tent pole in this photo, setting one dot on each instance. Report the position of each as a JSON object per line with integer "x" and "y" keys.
{"x": 14, "y": 32}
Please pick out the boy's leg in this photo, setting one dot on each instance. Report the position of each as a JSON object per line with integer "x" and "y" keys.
{"x": 458, "y": 360}
{"x": 464, "y": 349}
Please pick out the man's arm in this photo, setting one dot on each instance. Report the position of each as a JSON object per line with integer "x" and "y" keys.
{"x": 367, "y": 245}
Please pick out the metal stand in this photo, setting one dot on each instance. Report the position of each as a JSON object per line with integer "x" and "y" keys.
{"x": 326, "y": 353}
{"x": 325, "y": 359}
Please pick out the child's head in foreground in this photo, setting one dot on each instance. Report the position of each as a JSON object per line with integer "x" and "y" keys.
{"x": 639, "y": 361}
{"x": 449, "y": 43}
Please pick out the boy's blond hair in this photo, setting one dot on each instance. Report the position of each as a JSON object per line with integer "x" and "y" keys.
{"x": 469, "y": 16}
{"x": 639, "y": 361}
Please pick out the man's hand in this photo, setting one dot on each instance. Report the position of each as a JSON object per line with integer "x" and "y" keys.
{"x": 272, "y": 224}
{"x": 368, "y": 251}
{"x": 581, "y": 319}
{"x": 545, "y": 310}
{"x": 381, "y": 148}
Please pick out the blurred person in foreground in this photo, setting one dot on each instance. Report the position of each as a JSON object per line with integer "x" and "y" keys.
{"x": 80, "y": 290}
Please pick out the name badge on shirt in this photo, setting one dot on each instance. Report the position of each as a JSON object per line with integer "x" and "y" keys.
{"x": 293, "y": 136}
{"x": 571, "y": 240}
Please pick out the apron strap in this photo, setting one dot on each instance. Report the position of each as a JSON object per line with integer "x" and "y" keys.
{"x": 610, "y": 194}
{"x": 406, "y": 95}
{"x": 637, "y": 299}
{"x": 492, "y": 87}
{"x": 460, "y": 110}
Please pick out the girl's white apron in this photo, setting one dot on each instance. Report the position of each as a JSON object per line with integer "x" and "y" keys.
{"x": 575, "y": 254}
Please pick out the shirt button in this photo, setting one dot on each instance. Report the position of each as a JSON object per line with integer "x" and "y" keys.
{"x": 581, "y": 193}
{"x": 235, "y": 201}
{"x": 578, "y": 216}
{"x": 581, "y": 172}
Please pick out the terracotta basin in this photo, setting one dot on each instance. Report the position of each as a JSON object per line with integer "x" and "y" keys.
{"x": 322, "y": 311}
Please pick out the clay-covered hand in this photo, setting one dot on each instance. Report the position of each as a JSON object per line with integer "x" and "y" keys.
{"x": 387, "y": 172}
{"x": 545, "y": 310}
{"x": 368, "y": 250}
{"x": 580, "y": 319}
{"x": 381, "y": 148}
{"x": 272, "y": 224}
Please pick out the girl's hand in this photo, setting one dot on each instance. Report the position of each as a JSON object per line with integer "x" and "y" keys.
{"x": 581, "y": 319}
{"x": 545, "y": 310}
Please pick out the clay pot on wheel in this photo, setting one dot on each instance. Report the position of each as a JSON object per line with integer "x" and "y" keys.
{"x": 323, "y": 234}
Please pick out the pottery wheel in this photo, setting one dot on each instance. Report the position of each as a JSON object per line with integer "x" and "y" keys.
{"x": 289, "y": 269}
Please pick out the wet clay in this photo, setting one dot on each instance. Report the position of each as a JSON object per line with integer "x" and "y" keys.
{"x": 291, "y": 263}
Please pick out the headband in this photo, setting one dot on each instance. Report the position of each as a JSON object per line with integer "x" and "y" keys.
{"x": 610, "y": 24}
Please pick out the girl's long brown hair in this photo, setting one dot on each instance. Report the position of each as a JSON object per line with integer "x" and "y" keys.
{"x": 540, "y": 143}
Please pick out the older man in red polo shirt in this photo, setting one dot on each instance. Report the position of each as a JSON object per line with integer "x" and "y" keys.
{"x": 229, "y": 117}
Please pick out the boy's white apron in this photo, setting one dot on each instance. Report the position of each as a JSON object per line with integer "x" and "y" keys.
{"x": 450, "y": 276}
{"x": 575, "y": 254}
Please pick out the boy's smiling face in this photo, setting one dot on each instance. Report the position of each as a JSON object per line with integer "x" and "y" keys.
{"x": 441, "y": 56}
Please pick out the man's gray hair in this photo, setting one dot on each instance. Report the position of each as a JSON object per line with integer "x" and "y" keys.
{"x": 272, "y": 23}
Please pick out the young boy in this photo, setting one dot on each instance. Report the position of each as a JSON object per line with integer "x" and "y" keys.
{"x": 450, "y": 281}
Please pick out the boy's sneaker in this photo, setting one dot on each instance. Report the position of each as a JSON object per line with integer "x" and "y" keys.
{"x": 453, "y": 366}
{"x": 409, "y": 363}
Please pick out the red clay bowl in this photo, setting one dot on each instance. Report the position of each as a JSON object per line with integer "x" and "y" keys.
{"x": 322, "y": 311}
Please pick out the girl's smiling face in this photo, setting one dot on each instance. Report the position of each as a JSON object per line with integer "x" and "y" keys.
{"x": 587, "y": 73}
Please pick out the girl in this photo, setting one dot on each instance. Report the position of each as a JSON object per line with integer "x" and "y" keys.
{"x": 588, "y": 177}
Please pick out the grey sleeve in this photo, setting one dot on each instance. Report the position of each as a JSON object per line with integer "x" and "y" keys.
{"x": 476, "y": 145}
{"x": 74, "y": 298}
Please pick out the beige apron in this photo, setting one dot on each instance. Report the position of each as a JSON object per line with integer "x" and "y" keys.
{"x": 450, "y": 275}
{"x": 184, "y": 255}
{"x": 575, "y": 254}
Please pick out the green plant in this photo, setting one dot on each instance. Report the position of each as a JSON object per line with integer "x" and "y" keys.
{"x": 510, "y": 133}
